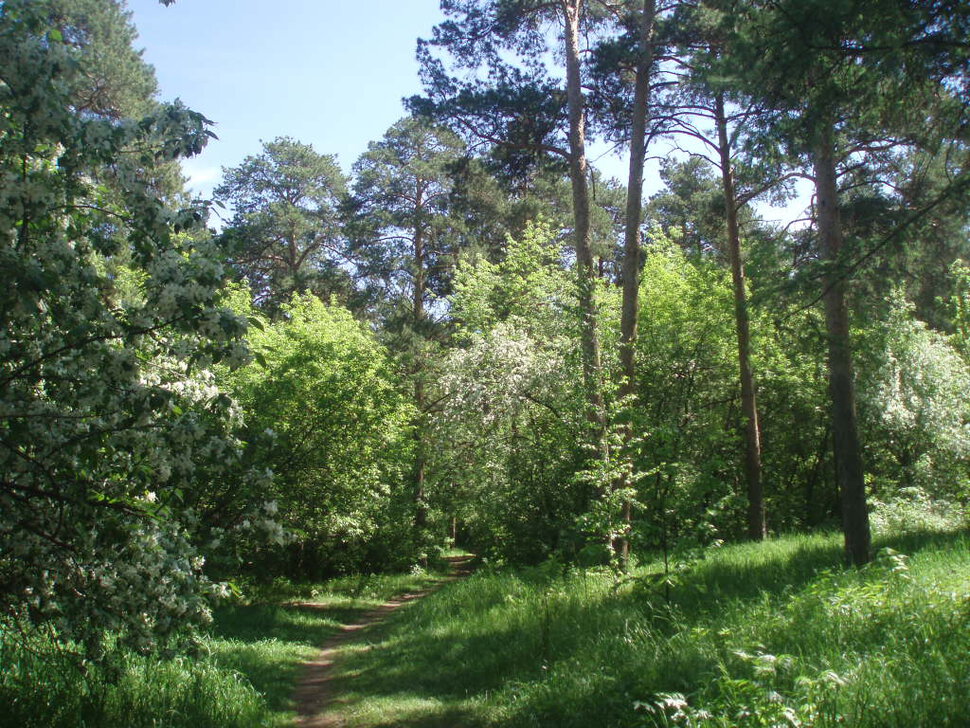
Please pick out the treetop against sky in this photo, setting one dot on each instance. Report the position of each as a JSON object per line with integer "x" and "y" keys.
{"x": 331, "y": 74}
{"x": 328, "y": 74}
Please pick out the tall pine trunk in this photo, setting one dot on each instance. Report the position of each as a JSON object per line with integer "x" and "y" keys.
{"x": 631, "y": 242}
{"x": 418, "y": 315}
{"x": 757, "y": 528}
{"x": 579, "y": 179}
{"x": 845, "y": 432}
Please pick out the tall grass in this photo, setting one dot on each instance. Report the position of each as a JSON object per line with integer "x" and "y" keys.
{"x": 776, "y": 634}
{"x": 243, "y": 676}
{"x": 753, "y": 635}
{"x": 44, "y": 688}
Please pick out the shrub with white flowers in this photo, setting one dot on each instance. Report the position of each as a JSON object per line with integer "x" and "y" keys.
{"x": 110, "y": 424}
{"x": 511, "y": 412}
{"x": 915, "y": 407}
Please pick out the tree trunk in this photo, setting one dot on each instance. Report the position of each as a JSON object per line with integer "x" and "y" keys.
{"x": 420, "y": 507}
{"x": 631, "y": 243}
{"x": 845, "y": 434}
{"x": 757, "y": 529}
{"x": 585, "y": 271}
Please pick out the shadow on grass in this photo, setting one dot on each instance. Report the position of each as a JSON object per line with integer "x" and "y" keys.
{"x": 423, "y": 670}
{"x": 268, "y": 644}
{"x": 306, "y": 624}
{"x": 913, "y": 542}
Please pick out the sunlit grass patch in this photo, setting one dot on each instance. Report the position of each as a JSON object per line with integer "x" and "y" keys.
{"x": 756, "y": 634}
{"x": 402, "y": 710}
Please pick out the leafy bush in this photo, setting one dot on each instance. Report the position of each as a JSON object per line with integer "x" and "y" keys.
{"x": 915, "y": 405}
{"x": 324, "y": 413}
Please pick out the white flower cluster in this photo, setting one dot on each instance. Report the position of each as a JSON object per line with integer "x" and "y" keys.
{"x": 496, "y": 373}
{"x": 140, "y": 582}
{"x": 111, "y": 429}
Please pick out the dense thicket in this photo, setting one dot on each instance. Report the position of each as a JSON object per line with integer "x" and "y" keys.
{"x": 325, "y": 413}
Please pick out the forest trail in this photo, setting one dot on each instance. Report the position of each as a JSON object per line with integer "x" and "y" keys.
{"x": 314, "y": 694}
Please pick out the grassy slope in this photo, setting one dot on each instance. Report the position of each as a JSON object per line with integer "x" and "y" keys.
{"x": 773, "y": 634}
{"x": 245, "y": 676}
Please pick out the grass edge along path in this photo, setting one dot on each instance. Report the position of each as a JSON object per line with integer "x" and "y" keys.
{"x": 314, "y": 694}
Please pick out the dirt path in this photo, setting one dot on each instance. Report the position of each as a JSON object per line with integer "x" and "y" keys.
{"x": 315, "y": 695}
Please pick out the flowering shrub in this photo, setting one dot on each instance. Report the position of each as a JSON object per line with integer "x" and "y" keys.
{"x": 914, "y": 394}
{"x": 109, "y": 418}
{"x": 511, "y": 413}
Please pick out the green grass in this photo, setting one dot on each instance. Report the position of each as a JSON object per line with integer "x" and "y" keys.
{"x": 753, "y": 635}
{"x": 267, "y": 641}
{"x": 776, "y": 634}
{"x": 450, "y": 553}
{"x": 43, "y": 688}
{"x": 244, "y": 677}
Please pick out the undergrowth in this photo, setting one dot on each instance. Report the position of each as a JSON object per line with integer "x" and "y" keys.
{"x": 774, "y": 634}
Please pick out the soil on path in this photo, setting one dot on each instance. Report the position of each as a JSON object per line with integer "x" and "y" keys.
{"x": 314, "y": 694}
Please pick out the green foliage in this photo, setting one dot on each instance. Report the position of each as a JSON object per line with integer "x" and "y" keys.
{"x": 527, "y": 289}
{"x": 519, "y": 110}
{"x": 514, "y": 384}
{"x": 324, "y": 413}
{"x": 124, "y": 464}
{"x": 915, "y": 389}
{"x": 691, "y": 208}
{"x": 284, "y": 235}
{"x": 686, "y": 382}
{"x": 243, "y": 676}
{"x": 403, "y": 237}
{"x": 114, "y": 79}
{"x": 912, "y": 510}
{"x": 511, "y": 401}
{"x": 959, "y": 304}
{"x": 793, "y": 400}
{"x": 503, "y": 430}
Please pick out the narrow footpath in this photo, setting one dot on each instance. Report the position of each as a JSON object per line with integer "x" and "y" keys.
{"x": 314, "y": 695}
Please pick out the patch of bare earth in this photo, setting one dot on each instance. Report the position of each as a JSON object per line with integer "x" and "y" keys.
{"x": 315, "y": 696}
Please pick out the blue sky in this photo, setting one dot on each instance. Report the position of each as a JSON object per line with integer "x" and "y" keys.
{"x": 330, "y": 73}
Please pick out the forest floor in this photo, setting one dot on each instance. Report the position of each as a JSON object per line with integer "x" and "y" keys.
{"x": 315, "y": 696}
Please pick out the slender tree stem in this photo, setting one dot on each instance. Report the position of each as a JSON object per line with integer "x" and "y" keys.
{"x": 757, "y": 528}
